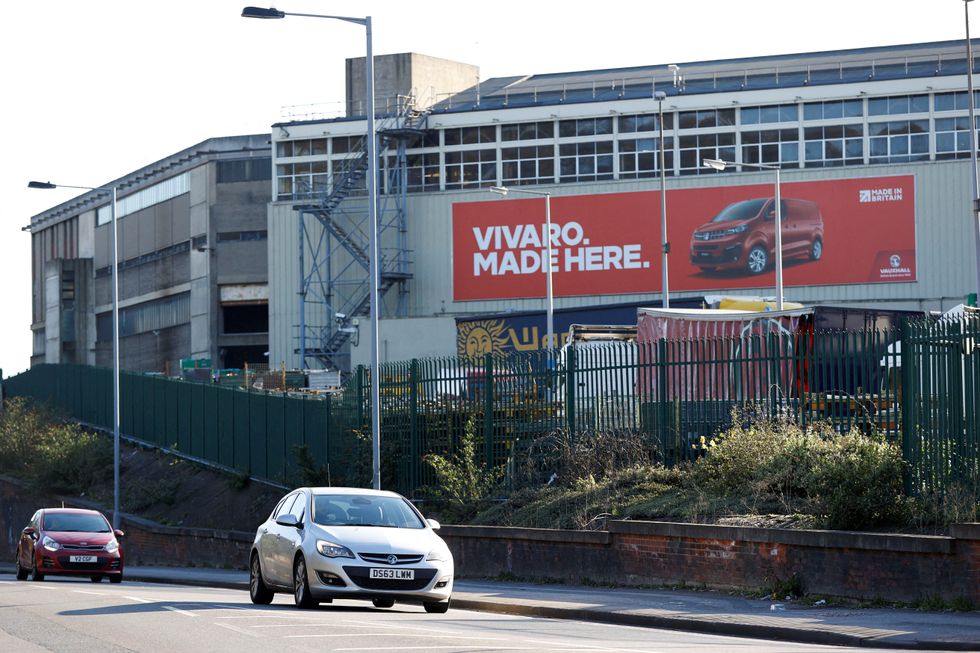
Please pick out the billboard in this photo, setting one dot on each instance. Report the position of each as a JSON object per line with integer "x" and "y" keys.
{"x": 843, "y": 231}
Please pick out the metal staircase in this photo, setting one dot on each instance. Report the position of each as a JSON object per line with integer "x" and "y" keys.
{"x": 335, "y": 246}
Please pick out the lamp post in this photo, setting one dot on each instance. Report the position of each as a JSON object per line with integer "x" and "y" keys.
{"x": 973, "y": 142}
{"x": 550, "y": 301}
{"x": 665, "y": 302}
{"x": 47, "y": 185}
{"x": 718, "y": 164}
{"x": 372, "y": 192}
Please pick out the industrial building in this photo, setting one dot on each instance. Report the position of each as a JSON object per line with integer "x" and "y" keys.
{"x": 877, "y": 138}
{"x": 192, "y": 264}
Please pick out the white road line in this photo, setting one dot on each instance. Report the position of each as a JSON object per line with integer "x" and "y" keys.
{"x": 454, "y": 637}
{"x": 183, "y": 612}
{"x": 238, "y": 630}
{"x": 92, "y": 593}
{"x": 400, "y": 628}
{"x": 456, "y": 648}
{"x": 270, "y": 616}
{"x": 231, "y": 607}
{"x": 137, "y": 599}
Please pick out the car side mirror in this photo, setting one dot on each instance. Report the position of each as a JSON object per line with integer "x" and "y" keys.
{"x": 433, "y": 524}
{"x": 29, "y": 531}
{"x": 118, "y": 533}
{"x": 289, "y": 519}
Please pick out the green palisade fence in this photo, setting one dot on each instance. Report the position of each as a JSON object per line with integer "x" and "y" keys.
{"x": 923, "y": 396}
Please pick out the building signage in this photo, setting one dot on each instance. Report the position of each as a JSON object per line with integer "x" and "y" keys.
{"x": 843, "y": 231}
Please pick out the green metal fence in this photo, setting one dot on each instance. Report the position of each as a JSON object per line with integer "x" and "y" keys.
{"x": 673, "y": 392}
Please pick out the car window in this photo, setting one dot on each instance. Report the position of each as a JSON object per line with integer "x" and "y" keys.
{"x": 285, "y": 506}
{"x": 299, "y": 507}
{"x": 740, "y": 210}
{"x": 278, "y": 508}
{"x": 361, "y": 510}
{"x": 75, "y": 522}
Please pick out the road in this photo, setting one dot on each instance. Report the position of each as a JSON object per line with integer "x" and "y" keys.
{"x": 76, "y": 615}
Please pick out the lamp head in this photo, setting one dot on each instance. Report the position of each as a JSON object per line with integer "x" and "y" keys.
{"x": 260, "y": 12}
{"x": 715, "y": 164}
{"x": 499, "y": 190}
{"x": 660, "y": 96}
{"x": 47, "y": 185}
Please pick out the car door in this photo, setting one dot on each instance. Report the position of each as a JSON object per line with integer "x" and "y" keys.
{"x": 269, "y": 545}
{"x": 292, "y": 538}
{"x": 27, "y": 542}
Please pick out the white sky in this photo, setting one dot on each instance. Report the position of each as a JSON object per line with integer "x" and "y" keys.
{"x": 96, "y": 89}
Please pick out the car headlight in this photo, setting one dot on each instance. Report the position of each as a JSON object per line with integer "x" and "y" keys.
{"x": 439, "y": 555}
{"x": 331, "y": 550}
{"x": 50, "y": 544}
{"x": 112, "y": 546}
{"x": 735, "y": 230}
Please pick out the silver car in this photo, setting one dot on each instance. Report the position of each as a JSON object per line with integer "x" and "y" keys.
{"x": 326, "y": 543}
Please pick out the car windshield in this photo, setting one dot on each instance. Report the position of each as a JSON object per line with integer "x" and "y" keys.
{"x": 74, "y": 522}
{"x": 740, "y": 210}
{"x": 360, "y": 510}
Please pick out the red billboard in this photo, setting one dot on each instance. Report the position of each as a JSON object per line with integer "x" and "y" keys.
{"x": 843, "y": 231}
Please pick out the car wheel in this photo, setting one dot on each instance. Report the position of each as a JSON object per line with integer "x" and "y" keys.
{"x": 816, "y": 250}
{"x": 436, "y": 607}
{"x": 383, "y": 603}
{"x": 115, "y": 578}
{"x": 257, "y": 589}
{"x": 21, "y": 572}
{"x": 301, "y": 586}
{"x": 757, "y": 260}
{"x": 97, "y": 578}
{"x": 36, "y": 575}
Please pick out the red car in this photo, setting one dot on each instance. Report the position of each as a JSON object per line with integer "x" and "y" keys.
{"x": 70, "y": 542}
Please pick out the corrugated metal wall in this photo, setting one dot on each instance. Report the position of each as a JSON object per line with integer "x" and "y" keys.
{"x": 944, "y": 244}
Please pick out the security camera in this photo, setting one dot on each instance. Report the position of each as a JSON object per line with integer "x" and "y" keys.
{"x": 340, "y": 316}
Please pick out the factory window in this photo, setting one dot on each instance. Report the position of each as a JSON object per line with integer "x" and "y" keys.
{"x": 780, "y": 146}
{"x": 833, "y": 109}
{"x": 245, "y": 170}
{"x": 898, "y": 104}
{"x": 695, "y": 149}
{"x": 898, "y": 141}
{"x": 470, "y": 169}
{"x": 527, "y": 131}
{"x": 644, "y": 123}
{"x": 302, "y": 147}
{"x": 345, "y": 144}
{"x": 301, "y": 179}
{"x": 833, "y": 145}
{"x": 240, "y": 236}
{"x": 586, "y": 161}
{"x": 470, "y": 135}
{"x": 531, "y": 164}
{"x": 585, "y": 127}
{"x": 707, "y": 118}
{"x": 422, "y": 171}
{"x": 770, "y": 113}
{"x": 953, "y": 137}
{"x": 155, "y": 194}
{"x": 955, "y": 101}
{"x": 640, "y": 157}
{"x": 148, "y": 316}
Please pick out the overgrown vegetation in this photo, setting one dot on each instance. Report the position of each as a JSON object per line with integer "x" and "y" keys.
{"x": 464, "y": 483}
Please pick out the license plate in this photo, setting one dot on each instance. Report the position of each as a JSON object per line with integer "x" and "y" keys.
{"x": 83, "y": 559}
{"x": 393, "y": 574}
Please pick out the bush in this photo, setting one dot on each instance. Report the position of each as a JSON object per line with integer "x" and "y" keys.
{"x": 463, "y": 482}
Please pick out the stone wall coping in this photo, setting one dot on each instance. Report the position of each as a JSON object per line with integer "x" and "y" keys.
{"x": 554, "y": 536}
{"x": 186, "y": 531}
{"x": 887, "y": 542}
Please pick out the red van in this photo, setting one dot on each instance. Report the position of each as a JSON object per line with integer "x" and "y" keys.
{"x": 743, "y": 235}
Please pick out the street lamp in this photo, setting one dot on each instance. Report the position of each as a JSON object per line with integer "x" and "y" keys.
{"x": 372, "y": 192}
{"x": 503, "y": 190}
{"x": 665, "y": 302}
{"x": 47, "y": 185}
{"x": 973, "y": 142}
{"x": 718, "y": 164}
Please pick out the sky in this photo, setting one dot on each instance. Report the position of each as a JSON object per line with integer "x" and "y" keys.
{"x": 97, "y": 89}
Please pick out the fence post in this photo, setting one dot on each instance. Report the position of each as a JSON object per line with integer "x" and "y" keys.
{"x": 488, "y": 408}
{"x": 413, "y": 431}
{"x": 570, "y": 389}
{"x": 360, "y": 396}
{"x": 661, "y": 364}
{"x": 909, "y": 418}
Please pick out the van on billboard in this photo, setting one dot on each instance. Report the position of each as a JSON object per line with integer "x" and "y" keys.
{"x": 834, "y": 232}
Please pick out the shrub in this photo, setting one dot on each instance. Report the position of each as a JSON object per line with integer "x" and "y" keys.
{"x": 463, "y": 482}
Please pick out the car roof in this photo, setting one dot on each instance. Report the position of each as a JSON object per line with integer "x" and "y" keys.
{"x": 352, "y": 491}
{"x": 72, "y": 511}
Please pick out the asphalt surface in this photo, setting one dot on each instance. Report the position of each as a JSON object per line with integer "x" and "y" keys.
{"x": 704, "y": 612}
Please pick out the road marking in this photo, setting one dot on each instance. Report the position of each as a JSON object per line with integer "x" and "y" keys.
{"x": 238, "y": 630}
{"x": 271, "y": 616}
{"x": 183, "y": 612}
{"x": 137, "y": 599}
{"x": 92, "y": 593}
{"x": 454, "y": 637}
{"x": 457, "y": 648}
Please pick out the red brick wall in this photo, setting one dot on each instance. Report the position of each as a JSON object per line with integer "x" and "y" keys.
{"x": 852, "y": 565}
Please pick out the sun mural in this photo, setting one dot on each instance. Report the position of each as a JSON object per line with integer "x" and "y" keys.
{"x": 474, "y": 339}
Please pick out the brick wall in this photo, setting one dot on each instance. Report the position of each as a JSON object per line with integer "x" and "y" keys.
{"x": 833, "y": 563}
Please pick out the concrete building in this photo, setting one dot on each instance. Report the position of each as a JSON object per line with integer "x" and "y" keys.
{"x": 878, "y": 138}
{"x": 193, "y": 267}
